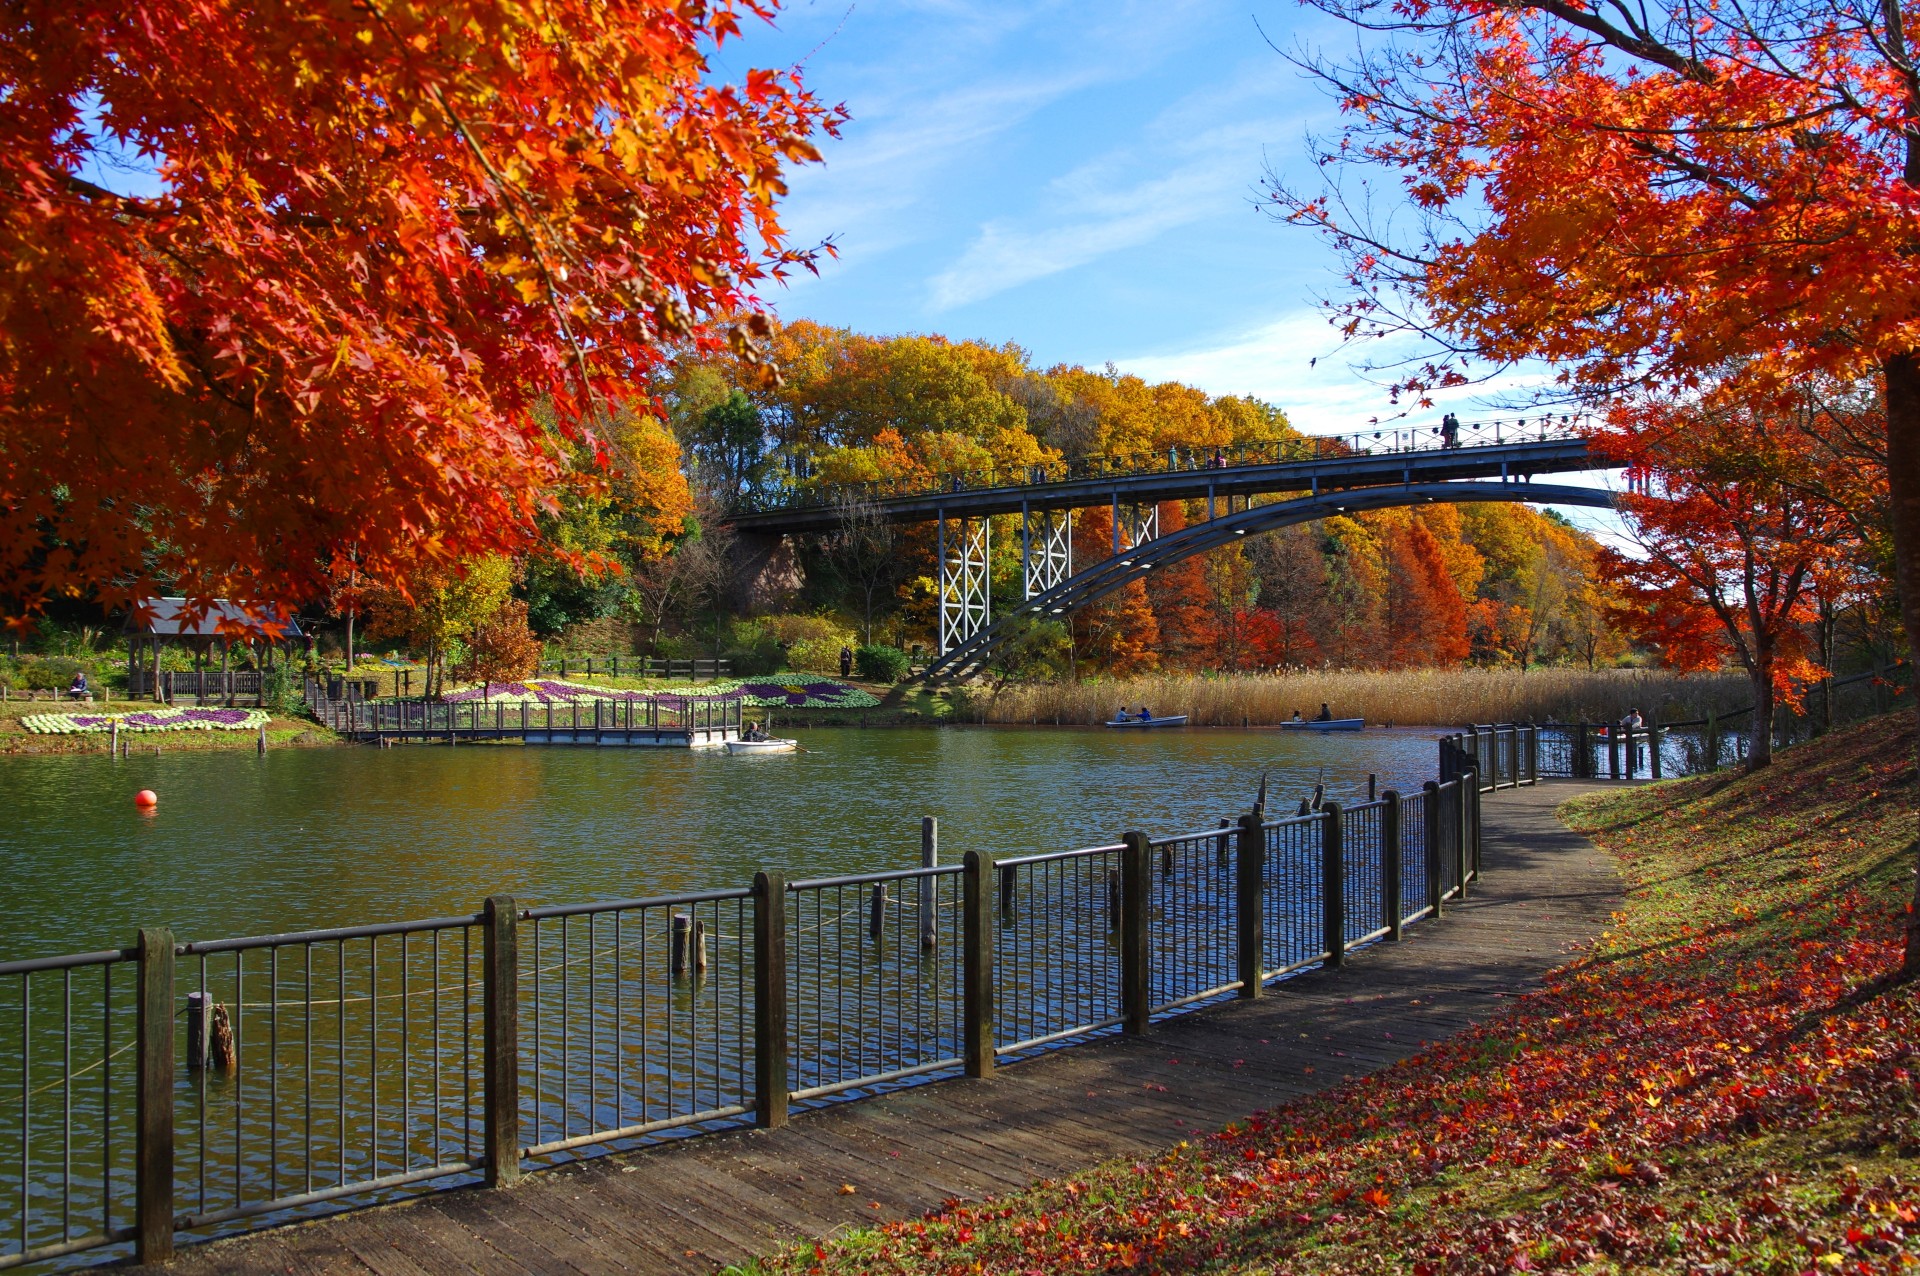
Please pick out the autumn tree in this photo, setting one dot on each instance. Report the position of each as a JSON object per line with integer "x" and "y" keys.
{"x": 1731, "y": 551}
{"x": 1640, "y": 197}
{"x": 368, "y": 241}
{"x": 438, "y": 608}
{"x": 500, "y": 648}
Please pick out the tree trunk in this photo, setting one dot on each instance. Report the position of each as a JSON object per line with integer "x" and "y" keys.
{"x": 1903, "y": 493}
{"x": 1760, "y": 733}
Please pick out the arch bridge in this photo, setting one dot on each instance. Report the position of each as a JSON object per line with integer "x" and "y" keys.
{"x": 1372, "y": 470}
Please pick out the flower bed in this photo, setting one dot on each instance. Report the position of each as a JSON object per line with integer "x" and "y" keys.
{"x": 147, "y": 720}
{"x": 783, "y": 693}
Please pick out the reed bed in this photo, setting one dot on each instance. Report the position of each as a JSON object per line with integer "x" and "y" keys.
{"x": 1409, "y": 697}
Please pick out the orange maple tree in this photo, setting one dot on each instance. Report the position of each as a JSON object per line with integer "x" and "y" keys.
{"x": 1730, "y": 545}
{"x": 362, "y": 244}
{"x": 1640, "y": 196}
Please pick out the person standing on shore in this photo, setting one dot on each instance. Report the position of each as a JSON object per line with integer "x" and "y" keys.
{"x": 846, "y": 661}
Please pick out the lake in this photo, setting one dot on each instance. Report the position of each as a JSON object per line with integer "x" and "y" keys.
{"x": 243, "y": 844}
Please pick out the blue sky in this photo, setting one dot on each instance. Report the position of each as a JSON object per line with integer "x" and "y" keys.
{"x": 1079, "y": 178}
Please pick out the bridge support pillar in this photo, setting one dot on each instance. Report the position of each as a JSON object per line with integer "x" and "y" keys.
{"x": 965, "y": 608}
{"x": 1046, "y": 549}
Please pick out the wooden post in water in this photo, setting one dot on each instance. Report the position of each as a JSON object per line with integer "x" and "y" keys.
{"x": 113, "y": 738}
{"x": 769, "y": 1000}
{"x": 500, "y": 1046}
{"x": 1136, "y": 882}
{"x": 877, "y": 910}
{"x": 1113, "y": 899}
{"x": 976, "y": 930}
{"x": 1249, "y": 901}
{"x": 1333, "y": 885}
{"x": 197, "y": 1024}
{"x": 1392, "y": 903}
{"x": 689, "y": 944}
{"x": 153, "y": 1100}
{"x": 1008, "y": 881}
{"x": 1223, "y": 846}
{"x": 1430, "y": 795}
{"x": 929, "y": 858}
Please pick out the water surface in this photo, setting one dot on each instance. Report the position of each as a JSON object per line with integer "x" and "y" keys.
{"x": 243, "y": 844}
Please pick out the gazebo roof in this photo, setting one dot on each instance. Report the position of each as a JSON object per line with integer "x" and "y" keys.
{"x": 170, "y": 618}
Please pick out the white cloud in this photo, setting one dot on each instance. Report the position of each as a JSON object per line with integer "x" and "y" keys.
{"x": 1201, "y": 156}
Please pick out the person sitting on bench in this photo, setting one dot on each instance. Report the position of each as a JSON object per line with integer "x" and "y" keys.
{"x": 79, "y": 690}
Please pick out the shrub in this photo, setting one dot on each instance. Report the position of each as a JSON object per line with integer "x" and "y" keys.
{"x": 51, "y": 673}
{"x": 813, "y": 643}
{"x": 879, "y": 663}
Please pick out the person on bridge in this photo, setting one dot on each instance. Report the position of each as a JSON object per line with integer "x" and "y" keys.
{"x": 846, "y": 661}
{"x": 1326, "y": 714}
{"x": 1449, "y": 430}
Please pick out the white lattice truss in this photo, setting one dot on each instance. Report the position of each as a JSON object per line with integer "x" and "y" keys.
{"x": 1138, "y": 525}
{"x": 964, "y": 607}
{"x": 1046, "y": 549}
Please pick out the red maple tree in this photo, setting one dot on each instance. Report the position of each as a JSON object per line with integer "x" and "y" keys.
{"x": 1730, "y": 544}
{"x": 368, "y": 242}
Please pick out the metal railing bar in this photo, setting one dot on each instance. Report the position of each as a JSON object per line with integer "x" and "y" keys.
{"x": 636, "y": 1131}
{"x": 620, "y": 905}
{"x": 863, "y": 879}
{"x": 33, "y": 965}
{"x": 877, "y": 1078}
{"x": 1051, "y": 1037}
{"x": 1192, "y": 997}
{"x": 59, "y": 1249}
{"x": 1053, "y": 857}
{"x": 212, "y": 1218}
{"x": 333, "y": 936}
{"x": 1281, "y": 972}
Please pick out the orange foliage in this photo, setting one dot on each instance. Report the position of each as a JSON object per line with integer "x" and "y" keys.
{"x": 376, "y": 240}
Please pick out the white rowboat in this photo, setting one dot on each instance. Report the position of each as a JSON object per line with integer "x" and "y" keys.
{"x": 1172, "y": 720}
{"x": 762, "y": 746}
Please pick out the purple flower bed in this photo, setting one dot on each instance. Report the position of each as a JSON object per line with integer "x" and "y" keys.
{"x": 798, "y": 693}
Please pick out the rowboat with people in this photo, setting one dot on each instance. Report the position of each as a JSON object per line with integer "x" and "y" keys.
{"x": 1324, "y": 724}
{"x": 1133, "y": 723}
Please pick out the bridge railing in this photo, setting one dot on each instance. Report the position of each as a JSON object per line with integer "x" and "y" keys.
{"x": 803, "y": 494}
{"x": 194, "y": 1089}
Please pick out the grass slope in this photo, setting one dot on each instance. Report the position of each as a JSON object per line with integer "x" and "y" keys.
{"x": 1724, "y": 1081}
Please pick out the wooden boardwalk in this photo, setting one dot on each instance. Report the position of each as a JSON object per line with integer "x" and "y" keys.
{"x": 698, "y": 1204}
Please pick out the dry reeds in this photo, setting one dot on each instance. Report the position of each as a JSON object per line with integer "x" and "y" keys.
{"x": 1408, "y": 697}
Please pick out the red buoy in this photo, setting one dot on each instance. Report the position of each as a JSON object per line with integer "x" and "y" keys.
{"x": 146, "y": 797}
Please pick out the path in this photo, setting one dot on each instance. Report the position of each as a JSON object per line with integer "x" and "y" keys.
{"x": 702, "y": 1203}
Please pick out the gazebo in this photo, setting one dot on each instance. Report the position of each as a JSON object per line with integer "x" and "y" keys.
{"x": 264, "y": 628}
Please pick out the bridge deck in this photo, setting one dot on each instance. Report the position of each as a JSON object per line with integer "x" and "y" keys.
{"x": 701, "y": 1203}
{"x": 1359, "y": 469}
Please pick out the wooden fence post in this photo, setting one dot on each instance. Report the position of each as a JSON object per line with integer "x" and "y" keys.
{"x": 500, "y": 1045}
{"x": 153, "y": 1100}
{"x": 1392, "y": 905}
{"x": 1430, "y": 795}
{"x": 769, "y": 1000}
{"x": 1653, "y": 744}
{"x": 1136, "y": 879}
{"x": 977, "y": 976}
{"x": 1333, "y": 885}
{"x": 1249, "y": 897}
{"x": 1582, "y": 757}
